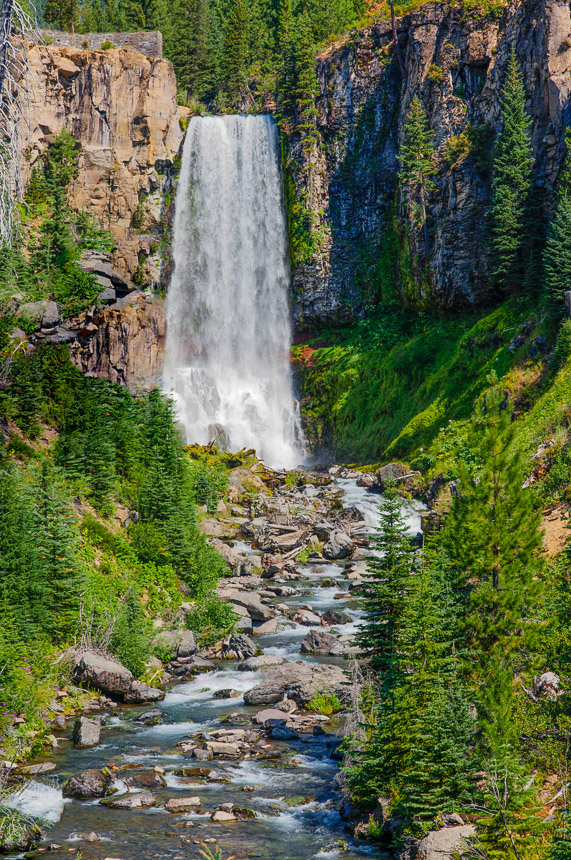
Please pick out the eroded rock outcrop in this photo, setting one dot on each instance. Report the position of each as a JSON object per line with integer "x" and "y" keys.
{"x": 120, "y": 106}
{"x": 123, "y": 343}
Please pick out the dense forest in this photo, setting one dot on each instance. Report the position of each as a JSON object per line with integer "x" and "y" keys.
{"x": 462, "y": 703}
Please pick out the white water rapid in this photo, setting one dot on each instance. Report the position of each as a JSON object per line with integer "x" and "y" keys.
{"x": 228, "y": 324}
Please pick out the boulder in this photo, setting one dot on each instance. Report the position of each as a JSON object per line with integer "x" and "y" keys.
{"x": 339, "y": 545}
{"x": 323, "y": 529}
{"x": 151, "y": 718}
{"x": 238, "y": 647}
{"x": 390, "y": 473}
{"x": 144, "y": 779}
{"x": 227, "y": 694}
{"x": 249, "y": 601}
{"x": 181, "y": 642}
{"x": 139, "y": 693}
{"x": 141, "y": 800}
{"x": 366, "y": 480}
{"x": 283, "y": 733}
{"x": 307, "y": 618}
{"x": 333, "y": 617}
{"x": 222, "y": 749}
{"x": 299, "y": 681}
{"x": 268, "y": 628}
{"x": 102, "y": 673}
{"x": 87, "y": 785}
{"x": 244, "y": 625}
{"x": 263, "y": 661}
{"x": 319, "y": 642}
{"x": 223, "y": 817}
{"x": 86, "y": 732}
{"x": 182, "y": 804}
{"x": 444, "y": 844}
{"x": 44, "y": 312}
{"x": 272, "y": 714}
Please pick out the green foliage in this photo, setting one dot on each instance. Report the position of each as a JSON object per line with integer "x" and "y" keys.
{"x": 417, "y": 160}
{"x": 208, "y": 484}
{"x": 435, "y": 74}
{"x": 211, "y": 619}
{"x": 324, "y": 703}
{"x": 512, "y": 182}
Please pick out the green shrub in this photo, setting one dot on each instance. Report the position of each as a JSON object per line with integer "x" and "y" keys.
{"x": 563, "y": 344}
{"x": 435, "y": 74}
{"x": 211, "y": 619}
{"x": 325, "y": 703}
{"x": 106, "y": 45}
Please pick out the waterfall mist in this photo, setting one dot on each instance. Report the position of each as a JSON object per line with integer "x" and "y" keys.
{"x": 228, "y": 335}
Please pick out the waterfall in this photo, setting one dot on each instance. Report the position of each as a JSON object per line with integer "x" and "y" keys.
{"x": 228, "y": 322}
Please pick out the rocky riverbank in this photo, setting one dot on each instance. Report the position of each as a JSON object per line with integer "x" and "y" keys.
{"x": 240, "y": 743}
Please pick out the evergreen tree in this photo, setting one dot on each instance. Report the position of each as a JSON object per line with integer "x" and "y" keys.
{"x": 189, "y": 46}
{"x": 305, "y": 89}
{"x": 58, "y": 566}
{"x": 417, "y": 163}
{"x": 557, "y": 253}
{"x": 236, "y": 53}
{"x": 493, "y": 534}
{"x": 512, "y": 182}
{"x": 383, "y": 594}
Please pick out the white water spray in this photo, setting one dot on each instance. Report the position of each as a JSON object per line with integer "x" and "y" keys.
{"x": 228, "y": 335}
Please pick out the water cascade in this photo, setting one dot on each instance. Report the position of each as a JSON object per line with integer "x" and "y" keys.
{"x": 228, "y": 336}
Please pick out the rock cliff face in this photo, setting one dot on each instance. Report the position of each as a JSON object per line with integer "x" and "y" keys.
{"x": 121, "y": 107}
{"x": 457, "y": 65}
{"x": 124, "y": 343}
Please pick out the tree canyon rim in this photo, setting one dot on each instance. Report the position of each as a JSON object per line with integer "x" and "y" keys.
{"x": 228, "y": 316}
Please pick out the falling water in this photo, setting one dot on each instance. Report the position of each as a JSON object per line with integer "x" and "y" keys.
{"x": 228, "y": 336}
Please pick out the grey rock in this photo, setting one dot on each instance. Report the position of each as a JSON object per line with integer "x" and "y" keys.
{"x": 139, "y": 693}
{"x": 86, "y": 732}
{"x": 108, "y": 296}
{"x": 238, "y": 647}
{"x": 283, "y": 733}
{"x": 299, "y": 681}
{"x": 334, "y": 617}
{"x": 339, "y": 545}
{"x": 151, "y": 718}
{"x": 319, "y": 642}
{"x": 102, "y": 673}
{"x": 249, "y": 601}
{"x": 263, "y": 661}
{"x": 87, "y": 785}
{"x": 141, "y": 800}
{"x": 181, "y": 642}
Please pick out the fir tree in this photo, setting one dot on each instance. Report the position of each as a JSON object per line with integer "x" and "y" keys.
{"x": 417, "y": 163}
{"x": 236, "y": 53}
{"x": 305, "y": 89}
{"x": 58, "y": 567}
{"x": 493, "y": 534}
{"x": 384, "y": 592}
{"x": 557, "y": 253}
{"x": 512, "y": 182}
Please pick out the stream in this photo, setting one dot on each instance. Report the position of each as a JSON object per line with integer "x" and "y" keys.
{"x": 312, "y": 828}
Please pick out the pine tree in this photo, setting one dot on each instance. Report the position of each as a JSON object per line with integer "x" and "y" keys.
{"x": 236, "y": 53}
{"x": 440, "y": 777}
{"x": 383, "y": 594}
{"x": 417, "y": 163}
{"x": 512, "y": 182}
{"x": 305, "y": 89}
{"x": 557, "y": 253}
{"x": 188, "y": 45}
{"x": 58, "y": 567}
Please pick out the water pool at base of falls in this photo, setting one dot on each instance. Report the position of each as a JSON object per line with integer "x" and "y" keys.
{"x": 313, "y": 829}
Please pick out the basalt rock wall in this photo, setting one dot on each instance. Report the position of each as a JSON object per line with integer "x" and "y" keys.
{"x": 456, "y": 64}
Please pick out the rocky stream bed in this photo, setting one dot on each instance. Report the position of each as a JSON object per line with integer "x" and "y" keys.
{"x": 230, "y": 756}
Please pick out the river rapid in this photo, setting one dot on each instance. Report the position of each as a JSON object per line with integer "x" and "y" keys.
{"x": 303, "y": 776}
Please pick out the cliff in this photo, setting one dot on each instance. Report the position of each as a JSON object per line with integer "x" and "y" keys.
{"x": 120, "y": 106}
{"x": 456, "y": 64}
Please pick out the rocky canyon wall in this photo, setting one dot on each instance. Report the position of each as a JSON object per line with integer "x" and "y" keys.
{"x": 457, "y": 65}
{"x": 120, "y": 106}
